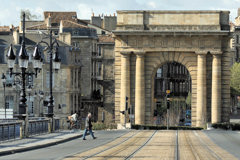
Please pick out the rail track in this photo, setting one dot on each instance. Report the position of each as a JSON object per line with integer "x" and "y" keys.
{"x": 175, "y": 145}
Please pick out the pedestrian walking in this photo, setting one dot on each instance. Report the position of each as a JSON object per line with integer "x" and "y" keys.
{"x": 88, "y": 126}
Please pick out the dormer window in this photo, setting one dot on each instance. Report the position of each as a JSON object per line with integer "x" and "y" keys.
{"x": 75, "y": 33}
{"x": 74, "y": 17}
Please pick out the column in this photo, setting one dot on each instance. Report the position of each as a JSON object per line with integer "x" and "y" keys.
{"x": 216, "y": 89}
{"x": 140, "y": 89}
{"x": 201, "y": 91}
{"x": 125, "y": 82}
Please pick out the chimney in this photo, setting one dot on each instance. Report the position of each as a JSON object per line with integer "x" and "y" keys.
{"x": 49, "y": 20}
{"x": 16, "y": 36}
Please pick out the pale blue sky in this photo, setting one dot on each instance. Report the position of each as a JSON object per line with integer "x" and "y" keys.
{"x": 10, "y": 9}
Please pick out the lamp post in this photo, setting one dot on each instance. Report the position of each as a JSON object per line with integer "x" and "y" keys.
{"x": 23, "y": 64}
{"x": 29, "y": 89}
{"x": 4, "y": 85}
{"x": 54, "y": 63}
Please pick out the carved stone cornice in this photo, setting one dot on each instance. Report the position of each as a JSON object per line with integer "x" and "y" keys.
{"x": 216, "y": 52}
{"x": 125, "y": 53}
{"x": 201, "y": 52}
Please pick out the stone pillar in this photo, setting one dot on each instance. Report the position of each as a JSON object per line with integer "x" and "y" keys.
{"x": 216, "y": 89}
{"x": 125, "y": 82}
{"x": 140, "y": 89}
{"x": 201, "y": 90}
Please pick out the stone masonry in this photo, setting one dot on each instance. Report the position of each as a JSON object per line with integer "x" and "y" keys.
{"x": 199, "y": 40}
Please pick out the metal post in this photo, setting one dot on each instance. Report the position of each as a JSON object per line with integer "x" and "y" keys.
{"x": 50, "y": 108}
{"x": 50, "y": 104}
{"x": 4, "y": 85}
{"x": 167, "y": 119}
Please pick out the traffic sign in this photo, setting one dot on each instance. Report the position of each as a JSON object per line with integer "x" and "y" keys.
{"x": 168, "y": 91}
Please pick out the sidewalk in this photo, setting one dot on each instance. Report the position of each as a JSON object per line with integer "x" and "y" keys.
{"x": 39, "y": 141}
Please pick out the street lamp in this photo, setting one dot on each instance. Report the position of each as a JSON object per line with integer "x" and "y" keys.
{"x": 54, "y": 63}
{"x": 4, "y": 85}
{"x": 23, "y": 64}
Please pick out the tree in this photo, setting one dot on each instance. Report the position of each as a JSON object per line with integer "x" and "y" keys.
{"x": 28, "y": 15}
{"x": 235, "y": 78}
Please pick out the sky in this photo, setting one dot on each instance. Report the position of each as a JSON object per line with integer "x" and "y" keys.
{"x": 10, "y": 9}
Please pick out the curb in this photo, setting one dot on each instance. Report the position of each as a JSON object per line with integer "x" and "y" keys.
{"x": 12, "y": 151}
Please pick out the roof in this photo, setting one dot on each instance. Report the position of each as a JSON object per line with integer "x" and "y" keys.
{"x": 71, "y": 24}
{"x": 106, "y": 38}
{"x": 4, "y": 29}
{"x": 6, "y": 39}
{"x": 56, "y": 17}
{"x": 36, "y": 27}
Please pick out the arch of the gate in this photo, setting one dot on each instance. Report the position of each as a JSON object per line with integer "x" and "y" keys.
{"x": 155, "y": 61}
{"x": 199, "y": 40}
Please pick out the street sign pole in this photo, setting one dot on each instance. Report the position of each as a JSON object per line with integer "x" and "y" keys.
{"x": 168, "y": 106}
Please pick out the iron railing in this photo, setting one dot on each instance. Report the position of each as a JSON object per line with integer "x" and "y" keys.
{"x": 10, "y": 130}
{"x": 57, "y": 124}
{"x": 36, "y": 127}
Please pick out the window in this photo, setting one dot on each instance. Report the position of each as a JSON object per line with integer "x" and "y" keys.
{"x": 94, "y": 47}
{"x": 9, "y": 102}
{"x": 48, "y": 79}
{"x": 159, "y": 73}
{"x": 9, "y": 79}
{"x": 75, "y": 33}
{"x": 99, "y": 53}
{"x": 75, "y": 44}
{"x": 30, "y": 100}
{"x": 29, "y": 80}
{"x": 30, "y": 54}
{"x": 99, "y": 68}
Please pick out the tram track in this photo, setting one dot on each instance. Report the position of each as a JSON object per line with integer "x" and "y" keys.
{"x": 127, "y": 149}
{"x": 90, "y": 156}
{"x": 131, "y": 155}
{"x": 146, "y": 144}
{"x": 194, "y": 147}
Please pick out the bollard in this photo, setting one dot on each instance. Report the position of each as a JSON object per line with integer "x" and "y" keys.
{"x": 21, "y": 130}
{"x": 53, "y": 124}
{"x": 50, "y": 125}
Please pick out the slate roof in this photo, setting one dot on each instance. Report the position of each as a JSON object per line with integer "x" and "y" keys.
{"x": 71, "y": 24}
{"x": 56, "y": 17}
{"x": 36, "y": 27}
{"x": 31, "y": 40}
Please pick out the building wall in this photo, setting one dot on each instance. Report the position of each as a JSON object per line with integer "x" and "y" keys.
{"x": 106, "y": 111}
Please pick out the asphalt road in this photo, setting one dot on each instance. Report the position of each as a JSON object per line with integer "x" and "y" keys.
{"x": 228, "y": 140}
{"x": 217, "y": 144}
{"x": 63, "y": 150}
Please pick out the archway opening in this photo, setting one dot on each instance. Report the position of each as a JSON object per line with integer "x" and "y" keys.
{"x": 175, "y": 77}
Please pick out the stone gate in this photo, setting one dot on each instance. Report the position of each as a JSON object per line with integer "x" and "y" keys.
{"x": 199, "y": 40}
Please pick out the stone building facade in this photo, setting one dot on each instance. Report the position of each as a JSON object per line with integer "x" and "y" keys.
{"x": 76, "y": 47}
{"x": 199, "y": 40}
{"x": 103, "y": 80}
